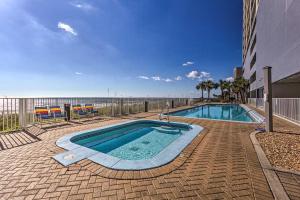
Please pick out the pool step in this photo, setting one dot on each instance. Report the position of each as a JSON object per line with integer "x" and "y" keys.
{"x": 167, "y": 131}
{"x": 73, "y": 156}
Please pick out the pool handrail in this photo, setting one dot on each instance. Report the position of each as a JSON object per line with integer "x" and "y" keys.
{"x": 162, "y": 114}
{"x": 248, "y": 111}
{"x": 243, "y": 114}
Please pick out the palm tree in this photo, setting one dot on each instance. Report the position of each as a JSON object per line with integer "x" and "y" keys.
{"x": 221, "y": 84}
{"x": 245, "y": 86}
{"x": 242, "y": 86}
{"x": 201, "y": 86}
{"x": 235, "y": 89}
{"x": 209, "y": 86}
{"x": 198, "y": 86}
{"x": 227, "y": 87}
{"x": 216, "y": 85}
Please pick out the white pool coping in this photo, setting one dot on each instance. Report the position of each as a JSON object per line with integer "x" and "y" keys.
{"x": 252, "y": 113}
{"x": 258, "y": 118}
{"x": 77, "y": 152}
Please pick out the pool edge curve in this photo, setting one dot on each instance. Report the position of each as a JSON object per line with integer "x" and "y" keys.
{"x": 75, "y": 152}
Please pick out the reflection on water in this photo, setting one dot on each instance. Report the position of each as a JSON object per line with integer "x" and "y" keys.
{"x": 222, "y": 112}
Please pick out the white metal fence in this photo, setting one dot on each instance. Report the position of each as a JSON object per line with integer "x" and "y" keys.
{"x": 285, "y": 107}
{"x": 9, "y": 109}
{"x": 12, "y": 108}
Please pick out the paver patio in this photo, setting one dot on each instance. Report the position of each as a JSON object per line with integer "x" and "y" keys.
{"x": 222, "y": 165}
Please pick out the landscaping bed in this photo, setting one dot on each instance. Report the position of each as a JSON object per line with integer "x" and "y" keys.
{"x": 282, "y": 149}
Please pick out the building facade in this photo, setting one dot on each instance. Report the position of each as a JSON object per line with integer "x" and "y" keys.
{"x": 237, "y": 72}
{"x": 271, "y": 37}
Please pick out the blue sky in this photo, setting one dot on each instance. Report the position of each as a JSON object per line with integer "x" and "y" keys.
{"x": 132, "y": 47}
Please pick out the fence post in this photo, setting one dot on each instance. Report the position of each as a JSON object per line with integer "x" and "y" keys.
{"x": 146, "y": 106}
{"x": 122, "y": 106}
{"x": 112, "y": 108}
{"x": 67, "y": 109}
{"x": 268, "y": 98}
{"x": 22, "y": 113}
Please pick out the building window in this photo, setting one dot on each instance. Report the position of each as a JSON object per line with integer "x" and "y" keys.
{"x": 252, "y": 78}
{"x": 253, "y": 14}
{"x": 253, "y": 61}
{"x": 253, "y": 28}
{"x": 260, "y": 92}
{"x": 253, "y": 94}
{"x": 253, "y": 45}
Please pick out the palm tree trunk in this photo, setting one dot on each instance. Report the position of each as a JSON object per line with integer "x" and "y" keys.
{"x": 242, "y": 96}
{"x": 208, "y": 94}
{"x": 222, "y": 94}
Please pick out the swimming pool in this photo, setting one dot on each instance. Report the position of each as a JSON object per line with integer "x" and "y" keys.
{"x": 227, "y": 112}
{"x": 140, "y": 144}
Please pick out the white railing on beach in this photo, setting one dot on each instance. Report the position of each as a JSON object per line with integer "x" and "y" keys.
{"x": 16, "y": 113}
{"x": 288, "y": 108}
{"x": 9, "y": 118}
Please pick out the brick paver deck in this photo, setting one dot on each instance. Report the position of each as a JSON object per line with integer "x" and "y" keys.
{"x": 223, "y": 165}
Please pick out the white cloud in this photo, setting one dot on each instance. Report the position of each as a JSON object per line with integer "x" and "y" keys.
{"x": 193, "y": 75}
{"x": 188, "y": 63}
{"x": 230, "y": 79}
{"x": 204, "y": 75}
{"x": 198, "y": 75}
{"x": 66, "y": 28}
{"x": 83, "y": 6}
{"x": 156, "y": 78}
{"x": 143, "y": 77}
{"x": 167, "y": 80}
{"x": 78, "y": 73}
{"x": 178, "y": 78}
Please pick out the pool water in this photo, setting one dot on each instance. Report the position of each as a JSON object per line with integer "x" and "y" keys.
{"x": 138, "y": 141}
{"x": 233, "y": 112}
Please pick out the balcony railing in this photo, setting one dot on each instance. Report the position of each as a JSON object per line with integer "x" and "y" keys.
{"x": 17, "y": 113}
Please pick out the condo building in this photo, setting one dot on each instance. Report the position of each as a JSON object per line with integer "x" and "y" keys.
{"x": 237, "y": 72}
{"x": 271, "y": 38}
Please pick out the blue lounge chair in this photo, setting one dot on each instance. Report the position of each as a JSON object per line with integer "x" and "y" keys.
{"x": 77, "y": 110}
{"x": 89, "y": 108}
{"x": 56, "y": 112}
{"x": 42, "y": 113}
